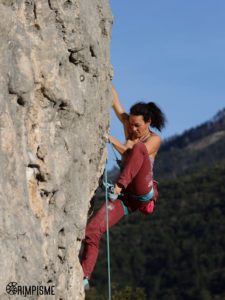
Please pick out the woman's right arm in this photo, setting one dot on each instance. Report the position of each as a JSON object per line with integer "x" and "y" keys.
{"x": 121, "y": 114}
{"x": 119, "y": 147}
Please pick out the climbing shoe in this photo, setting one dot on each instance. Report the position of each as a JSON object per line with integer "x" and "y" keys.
{"x": 86, "y": 284}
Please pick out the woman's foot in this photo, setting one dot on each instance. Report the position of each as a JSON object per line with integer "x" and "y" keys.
{"x": 86, "y": 284}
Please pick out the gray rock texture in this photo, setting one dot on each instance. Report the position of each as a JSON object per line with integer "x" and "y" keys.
{"x": 55, "y": 99}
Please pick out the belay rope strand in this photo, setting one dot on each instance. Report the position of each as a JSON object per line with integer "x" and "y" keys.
{"x": 107, "y": 230}
{"x": 107, "y": 216}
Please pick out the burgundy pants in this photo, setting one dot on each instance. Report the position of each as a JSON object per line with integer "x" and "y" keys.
{"x": 135, "y": 178}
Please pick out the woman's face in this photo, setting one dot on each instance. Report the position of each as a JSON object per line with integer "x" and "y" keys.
{"x": 138, "y": 126}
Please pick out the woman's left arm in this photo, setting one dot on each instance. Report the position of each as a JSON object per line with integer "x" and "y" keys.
{"x": 153, "y": 144}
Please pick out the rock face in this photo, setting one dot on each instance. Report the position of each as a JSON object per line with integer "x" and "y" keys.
{"x": 55, "y": 99}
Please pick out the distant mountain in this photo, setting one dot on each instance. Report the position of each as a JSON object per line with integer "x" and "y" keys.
{"x": 189, "y": 137}
{"x": 197, "y": 147}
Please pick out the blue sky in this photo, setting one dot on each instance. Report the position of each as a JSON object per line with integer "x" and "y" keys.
{"x": 171, "y": 52}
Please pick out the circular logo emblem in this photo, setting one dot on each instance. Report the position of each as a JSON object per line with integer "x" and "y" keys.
{"x": 11, "y": 288}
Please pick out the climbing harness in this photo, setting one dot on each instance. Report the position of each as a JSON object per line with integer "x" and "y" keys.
{"x": 145, "y": 197}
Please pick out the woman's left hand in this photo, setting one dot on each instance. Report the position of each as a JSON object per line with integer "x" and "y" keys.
{"x": 117, "y": 189}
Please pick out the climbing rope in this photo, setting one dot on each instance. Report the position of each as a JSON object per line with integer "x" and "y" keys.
{"x": 111, "y": 194}
{"x": 107, "y": 230}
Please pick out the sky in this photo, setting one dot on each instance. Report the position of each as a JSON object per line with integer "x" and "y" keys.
{"x": 171, "y": 52}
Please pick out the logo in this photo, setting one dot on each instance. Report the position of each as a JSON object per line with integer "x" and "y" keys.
{"x": 13, "y": 288}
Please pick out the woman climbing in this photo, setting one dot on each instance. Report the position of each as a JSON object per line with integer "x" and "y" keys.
{"x": 136, "y": 179}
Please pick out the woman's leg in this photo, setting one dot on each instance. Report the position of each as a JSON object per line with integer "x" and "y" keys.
{"x": 94, "y": 231}
{"x": 137, "y": 172}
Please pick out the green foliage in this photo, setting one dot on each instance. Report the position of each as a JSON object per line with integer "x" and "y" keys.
{"x": 129, "y": 294}
{"x": 205, "y": 295}
{"x": 175, "y": 253}
{"x": 93, "y": 294}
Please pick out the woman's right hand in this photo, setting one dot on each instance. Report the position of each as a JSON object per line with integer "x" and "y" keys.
{"x": 117, "y": 189}
{"x": 120, "y": 113}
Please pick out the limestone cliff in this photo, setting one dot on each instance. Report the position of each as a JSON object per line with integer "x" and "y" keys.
{"x": 55, "y": 99}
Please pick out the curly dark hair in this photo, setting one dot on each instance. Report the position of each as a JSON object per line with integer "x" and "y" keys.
{"x": 149, "y": 111}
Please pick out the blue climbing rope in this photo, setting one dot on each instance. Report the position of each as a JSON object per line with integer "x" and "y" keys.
{"x": 107, "y": 230}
